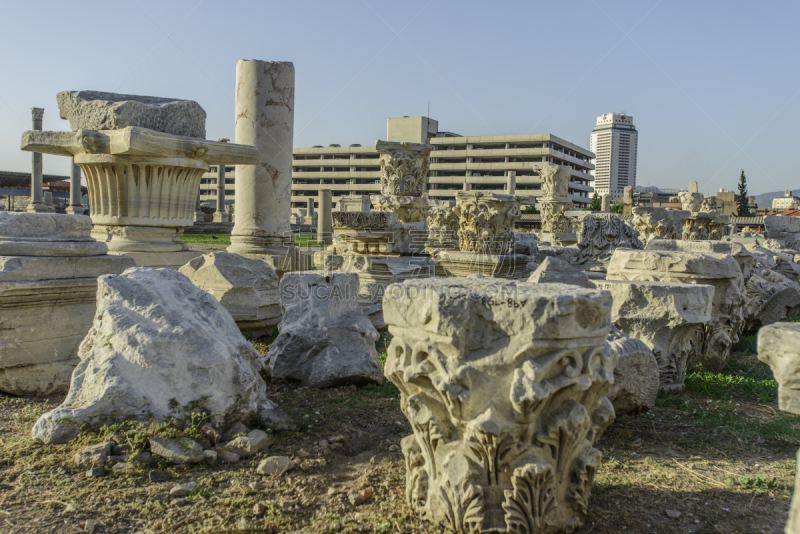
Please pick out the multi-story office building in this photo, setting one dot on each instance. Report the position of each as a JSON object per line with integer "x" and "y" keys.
{"x": 786, "y": 202}
{"x": 481, "y": 161}
{"x": 614, "y": 141}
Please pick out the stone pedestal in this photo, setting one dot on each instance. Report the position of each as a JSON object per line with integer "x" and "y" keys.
{"x": 143, "y": 184}
{"x": 557, "y": 227}
{"x": 670, "y": 318}
{"x": 37, "y": 196}
{"x": 721, "y": 271}
{"x": 504, "y": 386}
{"x": 359, "y": 203}
{"x": 265, "y": 120}
{"x": 247, "y": 288}
{"x": 779, "y": 347}
{"x": 49, "y": 267}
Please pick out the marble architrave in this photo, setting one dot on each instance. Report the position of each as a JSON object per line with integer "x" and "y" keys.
{"x": 504, "y": 385}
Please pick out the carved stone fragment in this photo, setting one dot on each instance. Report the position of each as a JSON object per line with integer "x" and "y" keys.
{"x": 659, "y": 223}
{"x": 636, "y": 375}
{"x": 670, "y": 318}
{"x": 504, "y": 385}
{"x": 719, "y": 270}
{"x": 601, "y": 235}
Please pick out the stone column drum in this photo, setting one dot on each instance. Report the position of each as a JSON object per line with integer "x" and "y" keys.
{"x": 779, "y": 347}
{"x": 504, "y": 385}
{"x": 719, "y": 270}
{"x": 325, "y": 218}
{"x": 75, "y": 198}
{"x": 37, "y": 198}
{"x": 265, "y": 119}
{"x": 669, "y": 317}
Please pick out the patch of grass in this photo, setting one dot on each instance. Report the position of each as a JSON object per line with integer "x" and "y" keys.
{"x": 744, "y": 375}
{"x": 792, "y": 319}
{"x": 747, "y": 344}
{"x": 207, "y": 239}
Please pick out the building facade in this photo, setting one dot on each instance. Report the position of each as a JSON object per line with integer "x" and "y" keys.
{"x": 483, "y": 162}
{"x": 614, "y": 140}
{"x": 786, "y": 202}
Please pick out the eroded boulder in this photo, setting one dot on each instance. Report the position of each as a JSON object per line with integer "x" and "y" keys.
{"x": 324, "y": 340}
{"x": 636, "y": 374}
{"x": 159, "y": 348}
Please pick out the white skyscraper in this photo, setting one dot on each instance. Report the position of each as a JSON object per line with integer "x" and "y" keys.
{"x": 614, "y": 140}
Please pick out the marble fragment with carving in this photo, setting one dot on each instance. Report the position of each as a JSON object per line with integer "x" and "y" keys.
{"x": 601, "y": 235}
{"x": 504, "y": 385}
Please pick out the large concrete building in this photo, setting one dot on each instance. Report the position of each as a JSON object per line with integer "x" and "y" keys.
{"x": 786, "y": 202}
{"x": 483, "y": 162}
{"x": 614, "y": 140}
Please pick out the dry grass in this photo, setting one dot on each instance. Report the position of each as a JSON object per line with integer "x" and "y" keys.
{"x": 722, "y": 455}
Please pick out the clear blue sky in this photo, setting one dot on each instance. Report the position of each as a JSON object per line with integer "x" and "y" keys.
{"x": 712, "y": 86}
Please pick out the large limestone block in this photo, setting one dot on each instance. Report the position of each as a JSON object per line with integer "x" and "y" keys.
{"x": 719, "y": 270}
{"x": 743, "y": 257}
{"x": 324, "y": 340}
{"x": 670, "y": 318}
{"x": 636, "y": 375}
{"x": 47, "y": 234}
{"x": 779, "y": 347}
{"x": 504, "y": 386}
{"x": 159, "y": 348}
{"x": 454, "y": 263}
{"x": 96, "y": 110}
{"x": 247, "y": 288}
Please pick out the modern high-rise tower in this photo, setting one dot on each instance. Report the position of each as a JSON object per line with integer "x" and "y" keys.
{"x": 614, "y": 140}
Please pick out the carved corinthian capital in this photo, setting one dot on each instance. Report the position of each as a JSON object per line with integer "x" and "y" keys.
{"x": 503, "y": 431}
{"x": 404, "y": 168}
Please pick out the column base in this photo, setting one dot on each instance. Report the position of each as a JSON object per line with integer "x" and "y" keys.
{"x": 221, "y": 217}
{"x": 150, "y": 239}
{"x": 199, "y": 216}
{"x": 37, "y": 208}
{"x": 75, "y": 210}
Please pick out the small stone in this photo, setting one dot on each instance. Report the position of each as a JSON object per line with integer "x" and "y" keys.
{"x": 211, "y": 456}
{"x": 119, "y": 450}
{"x": 204, "y": 443}
{"x": 673, "y": 514}
{"x": 302, "y": 454}
{"x": 393, "y": 448}
{"x": 210, "y": 433}
{"x": 89, "y": 526}
{"x": 143, "y": 458}
{"x": 236, "y": 429}
{"x": 275, "y": 466}
{"x": 96, "y": 472}
{"x": 356, "y": 499}
{"x": 242, "y": 524}
{"x": 227, "y": 456}
{"x": 259, "y": 510}
{"x": 332, "y": 491}
{"x": 245, "y": 446}
{"x": 157, "y": 475}
{"x": 179, "y": 502}
{"x": 121, "y": 466}
{"x": 337, "y": 439}
{"x": 182, "y": 490}
{"x": 69, "y": 509}
{"x": 367, "y": 493}
{"x": 93, "y": 456}
{"x": 178, "y": 451}
{"x": 256, "y": 485}
{"x": 322, "y": 444}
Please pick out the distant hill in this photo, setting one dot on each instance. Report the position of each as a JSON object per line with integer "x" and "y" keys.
{"x": 764, "y": 200}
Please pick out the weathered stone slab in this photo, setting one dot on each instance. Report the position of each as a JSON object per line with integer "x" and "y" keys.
{"x": 159, "y": 348}
{"x": 247, "y": 288}
{"x": 453, "y": 263}
{"x": 779, "y": 347}
{"x": 504, "y": 386}
{"x": 719, "y": 270}
{"x": 324, "y": 338}
{"x": 636, "y": 375}
{"x": 96, "y": 110}
{"x": 670, "y": 318}
{"x": 556, "y": 271}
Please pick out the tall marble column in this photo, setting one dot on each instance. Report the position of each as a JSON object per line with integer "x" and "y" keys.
{"x": 37, "y": 194}
{"x": 199, "y": 216}
{"x": 221, "y": 215}
{"x": 310, "y": 208}
{"x": 511, "y": 182}
{"x": 75, "y": 203}
{"x": 325, "y": 217}
{"x": 265, "y": 119}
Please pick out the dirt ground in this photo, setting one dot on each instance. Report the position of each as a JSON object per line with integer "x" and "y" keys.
{"x": 720, "y": 458}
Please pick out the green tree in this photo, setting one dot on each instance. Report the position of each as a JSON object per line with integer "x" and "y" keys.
{"x": 596, "y": 204}
{"x": 530, "y": 210}
{"x": 616, "y": 207}
{"x": 744, "y": 211}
